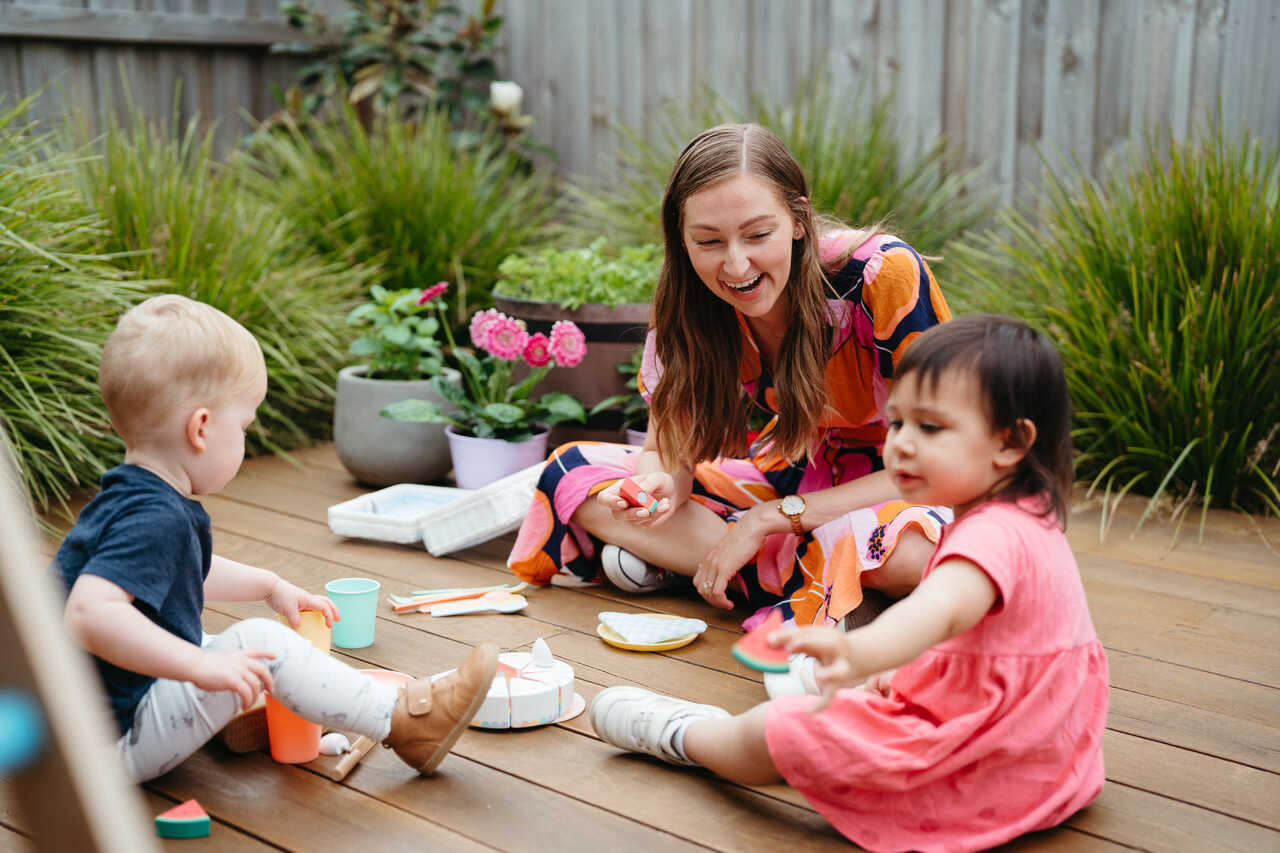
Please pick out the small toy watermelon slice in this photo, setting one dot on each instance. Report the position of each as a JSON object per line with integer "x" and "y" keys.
{"x": 755, "y": 652}
{"x": 187, "y": 820}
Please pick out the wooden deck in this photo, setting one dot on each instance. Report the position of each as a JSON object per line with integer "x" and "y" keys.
{"x": 1192, "y": 631}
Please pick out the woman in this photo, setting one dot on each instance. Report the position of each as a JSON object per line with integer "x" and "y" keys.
{"x": 760, "y": 303}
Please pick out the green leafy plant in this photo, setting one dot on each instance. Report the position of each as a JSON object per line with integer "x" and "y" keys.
{"x": 632, "y": 405}
{"x": 184, "y": 223}
{"x": 847, "y": 142}
{"x": 401, "y": 56}
{"x": 59, "y": 298}
{"x": 572, "y": 277}
{"x": 402, "y": 198}
{"x": 399, "y": 332}
{"x": 492, "y": 404}
{"x": 1159, "y": 285}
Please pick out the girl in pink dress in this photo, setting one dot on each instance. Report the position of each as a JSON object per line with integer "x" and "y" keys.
{"x": 972, "y": 710}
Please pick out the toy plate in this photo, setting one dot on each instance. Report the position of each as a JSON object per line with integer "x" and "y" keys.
{"x": 613, "y": 638}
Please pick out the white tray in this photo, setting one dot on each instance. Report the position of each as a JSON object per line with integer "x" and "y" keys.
{"x": 393, "y": 514}
{"x": 480, "y": 514}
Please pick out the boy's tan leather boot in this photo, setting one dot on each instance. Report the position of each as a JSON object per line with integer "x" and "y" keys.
{"x": 431, "y": 715}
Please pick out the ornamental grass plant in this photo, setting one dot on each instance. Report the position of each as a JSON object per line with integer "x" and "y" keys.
{"x": 403, "y": 197}
{"x": 185, "y": 223}
{"x": 1159, "y": 285}
{"x": 59, "y": 299}
{"x": 848, "y": 144}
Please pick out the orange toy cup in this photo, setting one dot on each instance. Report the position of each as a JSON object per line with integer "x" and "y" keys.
{"x": 293, "y": 739}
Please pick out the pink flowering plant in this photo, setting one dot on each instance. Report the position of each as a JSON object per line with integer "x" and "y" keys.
{"x": 491, "y": 403}
{"x": 399, "y": 332}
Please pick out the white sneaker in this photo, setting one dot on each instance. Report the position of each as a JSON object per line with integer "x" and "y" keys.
{"x": 629, "y": 573}
{"x": 640, "y": 720}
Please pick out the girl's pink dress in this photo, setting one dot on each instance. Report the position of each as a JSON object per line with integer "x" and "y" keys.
{"x": 991, "y": 734}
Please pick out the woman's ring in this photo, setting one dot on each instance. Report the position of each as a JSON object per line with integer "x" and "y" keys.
{"x": 706, "y": 584}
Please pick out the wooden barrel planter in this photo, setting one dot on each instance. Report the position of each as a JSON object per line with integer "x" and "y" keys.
{"x": 612, "y": 334}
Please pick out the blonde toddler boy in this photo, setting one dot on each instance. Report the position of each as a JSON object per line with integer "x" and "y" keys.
{"x": 182, "y": 382}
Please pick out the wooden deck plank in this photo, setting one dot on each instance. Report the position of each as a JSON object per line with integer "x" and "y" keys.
{"x": 1146, "y": 821}
{"x": 297, "y": 810}
{"x": 222, "y": 836}
{"x": 1217, "y": 784}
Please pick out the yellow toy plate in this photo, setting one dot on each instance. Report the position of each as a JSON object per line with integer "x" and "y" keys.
{"x": 613, "y": 638}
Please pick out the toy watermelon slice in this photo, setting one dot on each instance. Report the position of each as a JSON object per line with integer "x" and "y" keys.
{"x": 755, "y": 652}
{"x": 187, "y": 820}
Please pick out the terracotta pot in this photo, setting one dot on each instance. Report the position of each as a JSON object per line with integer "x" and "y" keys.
{"x": 379, "y": 451}
{"x": 480, "y": 461}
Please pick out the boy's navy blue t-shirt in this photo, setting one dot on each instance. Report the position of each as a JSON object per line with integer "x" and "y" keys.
{"x": 145, "y": 537}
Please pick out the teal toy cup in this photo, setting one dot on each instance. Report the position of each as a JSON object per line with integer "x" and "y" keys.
{"x": 357, "y": 600}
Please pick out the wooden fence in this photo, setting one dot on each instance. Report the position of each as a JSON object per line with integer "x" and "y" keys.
{"x": 1003, "y": 79}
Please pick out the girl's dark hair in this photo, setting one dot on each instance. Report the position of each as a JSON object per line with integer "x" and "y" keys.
{"x": 1019, "y": 374}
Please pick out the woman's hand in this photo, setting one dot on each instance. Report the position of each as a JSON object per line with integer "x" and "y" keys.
{"x": 836, "y": 663}
{"x": 661, "y": 487}
{"x": 238, "y": 670}
{"x": 287, "y": 600}
{"x": 738, "y": 547}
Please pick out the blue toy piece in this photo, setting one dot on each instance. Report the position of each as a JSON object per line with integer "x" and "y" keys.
{"x": 22, "y": 732}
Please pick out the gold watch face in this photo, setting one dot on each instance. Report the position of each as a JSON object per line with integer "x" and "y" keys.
{"x": 792, "y": 505}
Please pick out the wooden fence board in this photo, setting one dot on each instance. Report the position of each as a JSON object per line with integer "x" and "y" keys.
{"x": 727, "y": 36}
{"x": 1035, "y": 96}
{"x": 1070, "y": 69}
{"x": 1118, "y": 27}
{"x": 991, "y": 126}
{"x": 1205, "y": 96}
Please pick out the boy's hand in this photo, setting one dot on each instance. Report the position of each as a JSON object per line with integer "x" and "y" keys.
{"x": 836, "y": 664}
{"x": 287, "y": 600}
{"x": 240, "y": 670}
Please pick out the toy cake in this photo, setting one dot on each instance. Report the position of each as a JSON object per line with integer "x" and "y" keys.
{"x": 530, "y": 689}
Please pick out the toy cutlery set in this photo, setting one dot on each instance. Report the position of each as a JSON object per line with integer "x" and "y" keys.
{"x": 503, "y": 598}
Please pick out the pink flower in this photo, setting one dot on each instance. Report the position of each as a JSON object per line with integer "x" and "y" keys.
{"x": 479, "y": 322}
{"x": 433, "y": 292}
{"x": 505, "y": 338}
{"x": 537, "y": 350}
{"x": 568, "y": 344}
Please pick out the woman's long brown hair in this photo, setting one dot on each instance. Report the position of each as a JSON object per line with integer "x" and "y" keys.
{"x": 699, "y": 408}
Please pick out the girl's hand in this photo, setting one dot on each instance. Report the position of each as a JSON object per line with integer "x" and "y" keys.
{"x": 287, "y": 600}
{"x": 661, "y": 487}
{"x": 238, "y": 670}
{"x": 879, "y": 683}
{"x": 836, "y": 664}
{"x": 738, "y": 547}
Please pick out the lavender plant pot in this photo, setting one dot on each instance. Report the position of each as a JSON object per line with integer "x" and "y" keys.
{"x": 379, "y": 451}
{"x": 480, "y": 461}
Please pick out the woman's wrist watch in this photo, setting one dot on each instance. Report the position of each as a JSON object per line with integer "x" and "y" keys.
{"x": 792, "y": 507}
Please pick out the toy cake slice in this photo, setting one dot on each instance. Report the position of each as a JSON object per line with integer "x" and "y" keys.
{"x": 754, "y": 650}
{"x": 187, "y": 820}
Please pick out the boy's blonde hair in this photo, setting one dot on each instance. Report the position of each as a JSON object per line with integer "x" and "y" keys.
{"x": 170, "y": 351}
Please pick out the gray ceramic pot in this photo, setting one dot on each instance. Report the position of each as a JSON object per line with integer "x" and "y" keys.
{"x": 379, "y": 451}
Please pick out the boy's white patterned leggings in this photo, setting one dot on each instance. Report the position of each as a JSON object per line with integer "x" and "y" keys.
{"x": 175, "y": 718}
